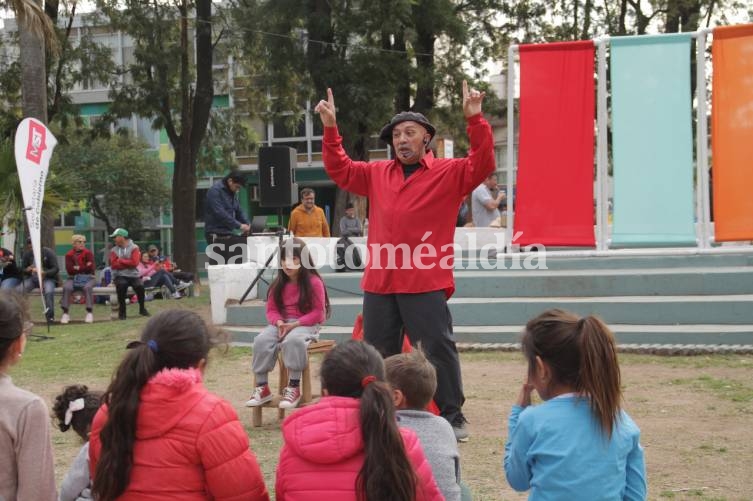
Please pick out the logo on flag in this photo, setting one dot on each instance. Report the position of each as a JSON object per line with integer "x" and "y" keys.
{"x": 36, "y": 142}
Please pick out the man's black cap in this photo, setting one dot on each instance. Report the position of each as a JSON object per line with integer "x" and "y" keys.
{"x": 406, "y": 116}
{"x": 237, "y": 177}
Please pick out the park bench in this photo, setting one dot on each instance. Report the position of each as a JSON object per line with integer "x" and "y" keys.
{"x": 111, "y": 293}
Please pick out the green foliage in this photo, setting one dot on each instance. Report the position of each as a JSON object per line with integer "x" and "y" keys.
{"x": 121, "y": 184}
{"x": 379, "y": 57}
{"x": 157, "y": 84}
{"x": 226, "y": 136}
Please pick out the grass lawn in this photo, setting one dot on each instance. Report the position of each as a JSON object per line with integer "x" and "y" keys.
{"x": 695, "y": 413}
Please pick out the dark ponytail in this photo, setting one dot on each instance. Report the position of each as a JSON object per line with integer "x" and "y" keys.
{"x": 582, "y": 354}
{"x": 171, "y": 339}
{"x": 600, "y": 371}
{"x": 356, "y": 369}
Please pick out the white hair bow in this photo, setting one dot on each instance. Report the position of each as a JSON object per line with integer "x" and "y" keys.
{"x": 73, "y": 406}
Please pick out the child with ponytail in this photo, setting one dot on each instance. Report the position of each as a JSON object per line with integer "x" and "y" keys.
{"x": 348, "y": 447}
{"x": 160, "y": 434}
{"x": 75, "y": 408}
{"x": 578, "y": 444}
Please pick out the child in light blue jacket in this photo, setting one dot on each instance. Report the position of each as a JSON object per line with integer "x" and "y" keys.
{"x": 578, "y": 444}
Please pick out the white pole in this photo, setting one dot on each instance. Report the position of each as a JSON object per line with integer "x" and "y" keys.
{"x": 602, "y": 123}
{"x": 510, "y": 144}
{"x": 702, "y": 153}
{"x": 602, "y": 159}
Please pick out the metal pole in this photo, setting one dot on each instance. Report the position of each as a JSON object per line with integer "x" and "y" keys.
{"x": 510, "y": 144}
{"x": 703, "y": 204}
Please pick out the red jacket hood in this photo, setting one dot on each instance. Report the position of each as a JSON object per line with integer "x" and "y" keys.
{"x": 326, "y": 433}
{"x": 170, "y": 395}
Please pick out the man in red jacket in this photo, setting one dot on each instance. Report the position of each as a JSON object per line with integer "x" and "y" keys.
{"x": 413, "y": 203}
{"x": 124, "y": 259}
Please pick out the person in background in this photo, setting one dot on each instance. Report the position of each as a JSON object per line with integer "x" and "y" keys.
{"x": 160, "y": 434}
{"x": 308, "y": 220}
{"x": 224, "y": 219}
{"x": 485, "y": 201}
{"x": 348, "y": 445}
{"x": 124, "y": 260}
{"x": 27, "y": 469}
{"x": 152, "y": 274}
{"x": 10, "y": 274}
{"x": 170, "y": 267}
{"x": 75, "y": 408}
{"x": 50, "y": 270}
{"x": 413, "y": 381}
{"x": 350, "y": 226}
{"x": 79, "y": 264}
{"x": 578, "y": 444}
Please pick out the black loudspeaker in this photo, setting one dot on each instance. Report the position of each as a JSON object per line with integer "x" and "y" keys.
{"x": 277, "y": 186}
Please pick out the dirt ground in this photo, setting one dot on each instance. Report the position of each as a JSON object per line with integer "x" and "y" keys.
{"x": 695, "y": 414}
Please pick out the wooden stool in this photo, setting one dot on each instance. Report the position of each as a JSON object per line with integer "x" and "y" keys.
{"x": 324, "y": 346}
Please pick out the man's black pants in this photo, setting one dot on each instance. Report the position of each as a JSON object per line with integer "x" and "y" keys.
{"x": 226, "y": 249}
{"x": 121, "y": 287}
{"x": 426, "y": 319}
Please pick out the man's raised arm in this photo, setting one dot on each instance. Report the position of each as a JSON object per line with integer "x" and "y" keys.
{"x": 347, "y": 174}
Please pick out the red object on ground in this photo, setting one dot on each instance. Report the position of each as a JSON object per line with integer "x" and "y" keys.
{"x": 407, "y": 348}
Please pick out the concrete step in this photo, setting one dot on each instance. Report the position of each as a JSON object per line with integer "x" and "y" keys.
{"x": 706, "y": 334}
{"x": 658, "y": 310}
{"x": 559, "y": 262}
{"x": 577, "y": 283}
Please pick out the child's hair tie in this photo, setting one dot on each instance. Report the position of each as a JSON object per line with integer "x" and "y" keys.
{"x": 152, "y": 344}
{"x": 73, "y": 406}
{"x": 366, "y": 380}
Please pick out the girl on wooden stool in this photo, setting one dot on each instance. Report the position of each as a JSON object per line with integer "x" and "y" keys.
{"x": 297, "y": 303}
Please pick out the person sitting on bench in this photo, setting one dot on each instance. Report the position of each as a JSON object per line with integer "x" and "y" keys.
{"x": 79, "y": 263}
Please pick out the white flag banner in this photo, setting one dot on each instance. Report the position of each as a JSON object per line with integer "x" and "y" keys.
{"x": 33, "y": 148}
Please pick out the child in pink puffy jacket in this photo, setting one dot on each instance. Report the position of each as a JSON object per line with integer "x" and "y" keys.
{"x": 348, "y": 446}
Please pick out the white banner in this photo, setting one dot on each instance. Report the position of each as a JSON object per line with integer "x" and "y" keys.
{"x": 33, "y": 148}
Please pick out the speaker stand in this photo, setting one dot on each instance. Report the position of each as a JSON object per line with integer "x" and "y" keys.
{"x": 280, "y": 233}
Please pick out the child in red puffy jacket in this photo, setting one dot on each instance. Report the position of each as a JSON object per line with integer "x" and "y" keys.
{"x": 348, "y": 446}
{"x": 160, "y": 434}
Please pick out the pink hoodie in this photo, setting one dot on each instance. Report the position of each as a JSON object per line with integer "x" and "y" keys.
{"x": 323, "y": 453}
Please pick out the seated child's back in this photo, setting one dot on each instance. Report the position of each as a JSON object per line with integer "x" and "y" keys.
{"x": 414, "y": 381}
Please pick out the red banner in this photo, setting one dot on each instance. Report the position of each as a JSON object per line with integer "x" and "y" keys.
{"x": 554, "y": 202}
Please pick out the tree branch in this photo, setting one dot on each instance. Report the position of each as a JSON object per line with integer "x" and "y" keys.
{"x": 59, "y": 71}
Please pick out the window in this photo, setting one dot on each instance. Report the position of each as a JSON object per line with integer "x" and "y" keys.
{"x": 67, "y": 219}
{"x": 282, "y": 127}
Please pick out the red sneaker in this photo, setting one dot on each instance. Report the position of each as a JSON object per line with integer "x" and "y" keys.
{"x": 290, "y": 397}
{"x": 260, "y": 396}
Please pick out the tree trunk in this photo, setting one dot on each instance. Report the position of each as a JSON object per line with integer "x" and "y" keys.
{"x": 319, "y": 26}
{"x": 424, "y": 101}
{"x": 402, "y": 99}
{"x": 621, "y": 28}
{"x": 184, "y": 215}
{"x": 194, "y": 120}
{"x": 34, "y": 98}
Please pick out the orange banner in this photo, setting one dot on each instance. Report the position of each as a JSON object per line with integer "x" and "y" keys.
{"x": 732, "y": 132}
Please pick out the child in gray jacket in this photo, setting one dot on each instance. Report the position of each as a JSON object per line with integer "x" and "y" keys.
{"x": 414, "y": 380}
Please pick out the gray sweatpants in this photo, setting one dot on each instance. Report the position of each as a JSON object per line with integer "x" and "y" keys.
{"x": 293, "y": 346}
